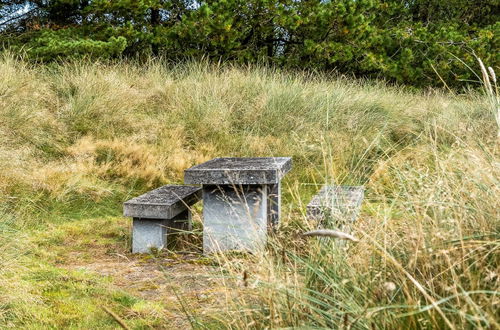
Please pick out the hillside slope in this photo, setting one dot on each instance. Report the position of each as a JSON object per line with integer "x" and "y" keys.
{"x": 77, "y": 139}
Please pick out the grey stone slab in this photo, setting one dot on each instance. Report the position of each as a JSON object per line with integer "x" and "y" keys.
{"x": 148, "y": 234}
{"x": 162, "y": 203}
{"x": 157, "y": 233}
{"x": 234, "y": 218}
{"x": 341, "y": 204}
{"x": 226, "y": 171}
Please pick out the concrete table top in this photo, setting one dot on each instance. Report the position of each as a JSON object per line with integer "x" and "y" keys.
{"x": 246, "y": 171}
{"x": 162, "y": 203}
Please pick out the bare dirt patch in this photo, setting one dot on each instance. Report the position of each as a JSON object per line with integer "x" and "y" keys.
{"x": 182, "y": 284}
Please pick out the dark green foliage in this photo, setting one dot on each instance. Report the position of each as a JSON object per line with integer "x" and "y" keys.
{"x": 418, "y": 42}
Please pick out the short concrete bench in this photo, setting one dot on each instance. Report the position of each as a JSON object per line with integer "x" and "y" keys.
{"x": 336, "y": 206}
{"x": 158, "y": 213}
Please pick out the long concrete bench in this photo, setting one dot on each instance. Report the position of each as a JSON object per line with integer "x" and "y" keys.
{"x": 158, "y": 213}
{"x": 336, "y": 206}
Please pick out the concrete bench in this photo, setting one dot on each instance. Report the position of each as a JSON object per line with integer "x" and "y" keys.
{"x": 158, "y": 213}
{"x": 336, "y": 206}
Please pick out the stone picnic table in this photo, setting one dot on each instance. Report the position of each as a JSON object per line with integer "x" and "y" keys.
{"x": 241, "y": 200}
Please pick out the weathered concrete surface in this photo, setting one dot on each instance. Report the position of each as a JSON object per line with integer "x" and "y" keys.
{"x": 225, "y": 171}
{"x": 148, "y": 234}
{"x": 157, "y": 233}
{"x": 162, "y": 203}
{"x": 340, "y": 204}
{"x": 234, "y": 218}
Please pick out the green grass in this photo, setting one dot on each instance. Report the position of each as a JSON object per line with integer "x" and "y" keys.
{"x": 77, "y": 139}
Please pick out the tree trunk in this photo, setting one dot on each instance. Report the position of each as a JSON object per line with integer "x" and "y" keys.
{"x": 155, "y": 21}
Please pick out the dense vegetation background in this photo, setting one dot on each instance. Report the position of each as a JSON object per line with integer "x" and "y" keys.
{"x": 83, "y": 134}
{"x": 418, "y": 42}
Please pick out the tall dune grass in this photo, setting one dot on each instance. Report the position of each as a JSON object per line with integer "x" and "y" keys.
{"x": 77, "y": 139}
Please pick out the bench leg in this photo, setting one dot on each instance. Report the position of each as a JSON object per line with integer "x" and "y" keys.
{"x": 274, "y": 206}
{"x": 178, "y": 224}
{"x": 234, "y": 218}
{"x": 181, "y": 221}
{"x": 147, "y": 234}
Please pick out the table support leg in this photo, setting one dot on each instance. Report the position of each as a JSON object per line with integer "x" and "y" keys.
{"x": 234, "y": 217}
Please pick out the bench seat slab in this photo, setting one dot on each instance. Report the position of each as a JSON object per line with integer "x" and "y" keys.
{"x": 162, "y": 203}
